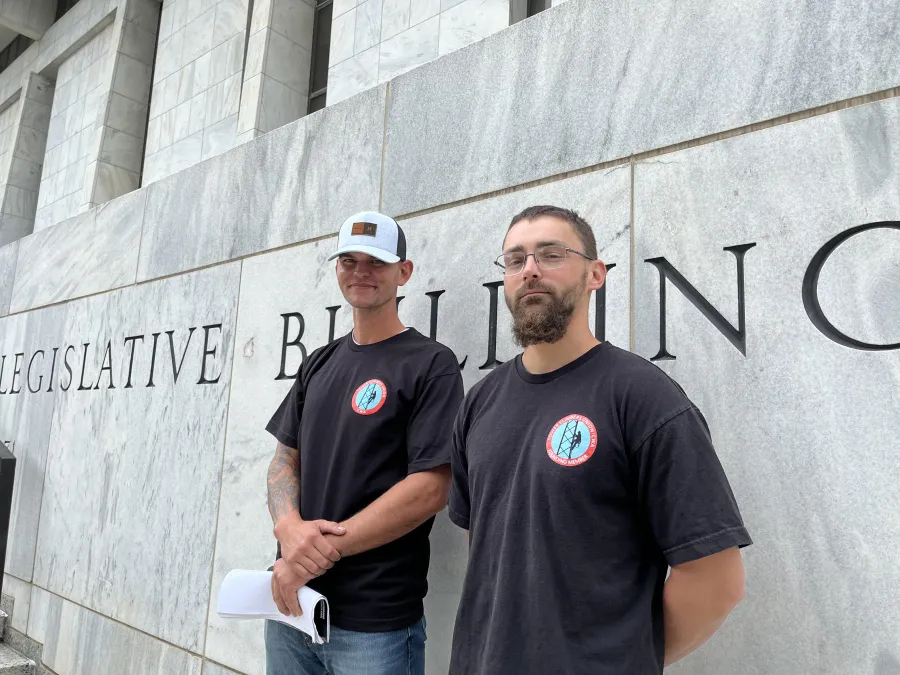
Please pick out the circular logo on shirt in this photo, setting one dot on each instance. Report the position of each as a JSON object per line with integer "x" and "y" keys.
{"x": 368, "y": 399}
{"x": 572, "y": 440}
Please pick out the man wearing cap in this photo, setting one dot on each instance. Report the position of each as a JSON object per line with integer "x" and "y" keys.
{"x": 584, "y": 474}
{"x": 360, "y": 470}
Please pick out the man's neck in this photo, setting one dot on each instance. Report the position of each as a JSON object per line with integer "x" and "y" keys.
{"x": 546, "y": 357}
{"x": 374, "y": 325}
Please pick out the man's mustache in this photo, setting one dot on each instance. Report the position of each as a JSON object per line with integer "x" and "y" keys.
{"x": 533, "y": 286}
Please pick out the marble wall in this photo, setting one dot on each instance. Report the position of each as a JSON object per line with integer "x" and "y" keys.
{"x": 143, "y": 338}
{"x": 72, "y": 138}
{"x": 28, "y": 17}
{"x": 276, "y": 73}
{"x": 376, "y": 40}
{"x": 196, "y": 84}
{"x": 815, "y": 463}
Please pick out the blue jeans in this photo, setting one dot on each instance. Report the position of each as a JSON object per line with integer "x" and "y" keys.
{"x": 399, "y": 652}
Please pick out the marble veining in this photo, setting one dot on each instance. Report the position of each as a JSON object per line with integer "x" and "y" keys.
{"x": 409, "y": 49}
{"x": 7, "y": 274}
{"x": 246, "y": 201}
{"x": 804, "y": 426}
{"x": 51, "y": 269}
{"x": 621, "y": 82}
{"x": 25, "y": 420}
{"x": 20, "y": 591}
{"x": 77, "y": 641}
{"x": 151, "y": 456}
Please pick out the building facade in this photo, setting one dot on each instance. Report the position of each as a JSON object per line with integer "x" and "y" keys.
{"x": 173, "y": 175}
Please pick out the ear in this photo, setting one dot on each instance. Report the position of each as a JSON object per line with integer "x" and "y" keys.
{"x": 406, "y": 270}
{"x": 597, "y": 275}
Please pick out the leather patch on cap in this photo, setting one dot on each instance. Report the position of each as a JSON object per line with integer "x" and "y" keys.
{"x": 364, "y": 229}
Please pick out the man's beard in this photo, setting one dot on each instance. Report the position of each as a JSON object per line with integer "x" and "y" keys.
{"x": 544, "y": 318}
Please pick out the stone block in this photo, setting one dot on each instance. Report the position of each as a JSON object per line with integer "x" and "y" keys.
{"x": 343, "y": 31}
{"x": 280, "y": 105}
{"x": 423, "y": 9}
{"x": 395, "y": 18}
{"x": 78, "y": 641}
{"x": 161, "y": 502}
{"x": 231, "y": 19}
{"x": 20, "y": 591}
{"x": 25, "y": 420}
{"x": 123, "y": 150}
{"x": 294, "y": 20}
{"x": 803, "y": 420}
{"x": 470, "y": 21}
{"x": 8, "y": 254}
{"x": 447, "y": 258}
{"x": 368, "y": 26}
{"x": 53, "y": 268}
{"x": 132, "y": 79}
{"x": 220, "y": 137}
{"x": 355, "y": 75}
{"x": 200, "y": 217}
{"x": 409, "y": 49}
{"x": 621, "y": 82}
{"x": 198, "y": 36}
{"x": 288, "y": 63}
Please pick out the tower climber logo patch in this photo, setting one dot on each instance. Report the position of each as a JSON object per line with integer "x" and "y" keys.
{"x": 572, "y": 440}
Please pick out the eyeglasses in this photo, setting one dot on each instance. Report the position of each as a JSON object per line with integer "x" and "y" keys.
{"x": 547, "y": 257}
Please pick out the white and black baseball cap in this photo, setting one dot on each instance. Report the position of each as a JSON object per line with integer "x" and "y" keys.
{"x": 374, "y": 234}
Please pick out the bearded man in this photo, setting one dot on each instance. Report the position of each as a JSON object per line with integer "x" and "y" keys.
{"x": 584, "y": 475}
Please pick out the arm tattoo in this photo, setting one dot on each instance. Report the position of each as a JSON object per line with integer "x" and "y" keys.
{"x": 284, "y": 482}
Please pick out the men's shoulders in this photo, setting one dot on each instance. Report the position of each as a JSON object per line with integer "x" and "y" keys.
{"x": 646, "y": 397}
{"x": 485, "y": 390}
{"x": 636, "y": 376}
{"x": 436, "y": 356}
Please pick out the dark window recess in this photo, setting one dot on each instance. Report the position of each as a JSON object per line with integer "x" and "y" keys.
{"x": 14, "y": 50}
{"x": 537, "y": 6}
{"x": 318, "y": 73}
{"x": 63, "y": 6}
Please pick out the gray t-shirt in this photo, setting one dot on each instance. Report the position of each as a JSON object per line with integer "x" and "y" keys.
{"x": 579, "y": 488}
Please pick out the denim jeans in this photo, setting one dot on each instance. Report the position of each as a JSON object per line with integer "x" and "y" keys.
{"x": 399, "y": 652}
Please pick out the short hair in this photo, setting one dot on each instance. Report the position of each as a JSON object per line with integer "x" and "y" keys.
{"x": 579, "y": 224}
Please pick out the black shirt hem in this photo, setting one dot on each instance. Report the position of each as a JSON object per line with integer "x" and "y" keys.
{"x": 708, "y": 545}
{"x": 458, "y": 519}
{"x": 281, "y": 435}
{"x": 377, "y": 625}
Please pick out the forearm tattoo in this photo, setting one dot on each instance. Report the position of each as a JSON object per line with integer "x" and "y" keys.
{"x": 284, "y": 482}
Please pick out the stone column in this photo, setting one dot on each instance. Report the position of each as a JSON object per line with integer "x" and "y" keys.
{"x": 122, "y": 123}
{"x": 276, "y": 75}
{"x": 27, "y": 122}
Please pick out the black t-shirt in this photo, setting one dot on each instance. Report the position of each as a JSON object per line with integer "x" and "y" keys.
{"x": 579, "y": 487}
{"x": 370, "y": 416}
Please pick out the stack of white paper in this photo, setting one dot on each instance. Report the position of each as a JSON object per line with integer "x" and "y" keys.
{"x": 247, "y": 594}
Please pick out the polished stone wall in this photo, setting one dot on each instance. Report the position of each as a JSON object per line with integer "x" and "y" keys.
{"x": 146, "y": 339}
{"x": 375, "y": 40}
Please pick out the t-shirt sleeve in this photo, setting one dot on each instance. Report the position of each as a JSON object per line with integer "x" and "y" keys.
{"x": 285, "y": 423}
{"x": 459, "y": 507}
{"x": 684, "y": 492}
{"x": 431, "y": 423}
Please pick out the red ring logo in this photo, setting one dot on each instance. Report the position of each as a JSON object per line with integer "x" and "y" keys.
{"x": 572, "y": 440}
{"x": 369, "y": 397}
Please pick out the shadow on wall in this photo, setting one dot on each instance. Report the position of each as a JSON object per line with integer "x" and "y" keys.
{"x": 887, "y": 665}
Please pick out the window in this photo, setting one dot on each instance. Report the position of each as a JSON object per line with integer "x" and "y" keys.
{"x": 63, "y": 6}
{"x": 537, "y": 6}
{"x": 14, "y": 50}
{"x": 318, "y": 75}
